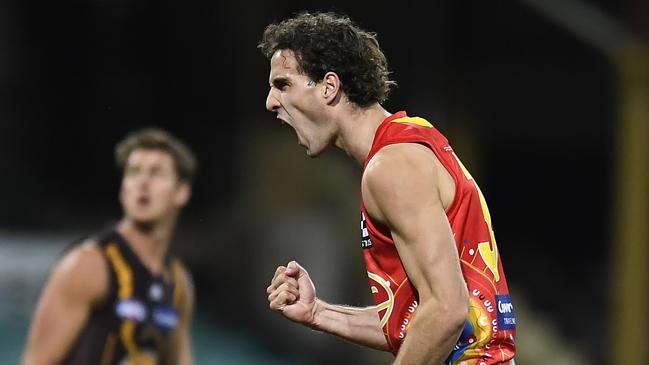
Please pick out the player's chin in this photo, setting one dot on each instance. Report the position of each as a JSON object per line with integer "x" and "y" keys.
{"x": 314, "y": 152}
{"x": 145, "y": 219}
{"x": 145, "y": 224}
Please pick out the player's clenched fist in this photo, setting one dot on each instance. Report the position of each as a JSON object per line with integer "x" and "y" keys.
{"x": 292, "y": 293}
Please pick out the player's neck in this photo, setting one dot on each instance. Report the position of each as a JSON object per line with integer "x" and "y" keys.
{"x": 149, "y": 243}
{"x": 357, "y": 129}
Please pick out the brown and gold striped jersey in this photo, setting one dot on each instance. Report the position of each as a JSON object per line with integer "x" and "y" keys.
{"x": 138, "y": 320}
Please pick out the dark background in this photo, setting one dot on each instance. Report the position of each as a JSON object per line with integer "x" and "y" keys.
{"x": 528, "y": 106}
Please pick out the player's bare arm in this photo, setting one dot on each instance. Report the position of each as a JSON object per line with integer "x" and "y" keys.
{"x": 401, "y": 189}
{"x": 293, "y": 294}
{"x": 77, "y": 284}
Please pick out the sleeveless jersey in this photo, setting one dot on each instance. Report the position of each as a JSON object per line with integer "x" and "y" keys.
{"x": 490, "y": 330}
{"x": 138, "y": 319}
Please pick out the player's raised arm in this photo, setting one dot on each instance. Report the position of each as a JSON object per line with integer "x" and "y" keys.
{"x": 292, "y": 293}
{"x": 77, "y": 283}
{"x": 400, "y": 189}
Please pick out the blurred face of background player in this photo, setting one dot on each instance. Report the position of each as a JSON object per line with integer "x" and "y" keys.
{"x": 299, "y": 102}
{"x": 151, "y": 192}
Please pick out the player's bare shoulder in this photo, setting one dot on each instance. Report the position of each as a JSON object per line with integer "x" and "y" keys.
{"x": 83, "y": 271}
{"x": 403, "y": 170}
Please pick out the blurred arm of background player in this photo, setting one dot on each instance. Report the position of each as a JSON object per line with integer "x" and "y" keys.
{"x": 401, "y": 189}
{"x": 77, "y": 284}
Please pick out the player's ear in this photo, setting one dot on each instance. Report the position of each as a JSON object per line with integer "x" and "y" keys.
{"x": 183, "y": 194}
{"x": 331, "y": 87}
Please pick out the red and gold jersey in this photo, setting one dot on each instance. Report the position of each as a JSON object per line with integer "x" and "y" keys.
{"x": 490, "y": 330}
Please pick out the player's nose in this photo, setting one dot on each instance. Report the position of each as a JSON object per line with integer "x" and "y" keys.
{"x": 144, "y": 181}
{"x": 272, "y": 103}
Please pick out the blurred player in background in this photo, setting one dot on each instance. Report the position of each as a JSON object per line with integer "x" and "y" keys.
{"x": 431, "y": 256}
{"x": 120, "y": 297}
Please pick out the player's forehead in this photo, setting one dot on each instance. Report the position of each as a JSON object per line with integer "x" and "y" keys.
{"x": 283, "y": 64}
{"x": 149, "y": 157}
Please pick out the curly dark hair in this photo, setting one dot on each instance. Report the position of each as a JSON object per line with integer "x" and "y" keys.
{"x": 324, "y": 42}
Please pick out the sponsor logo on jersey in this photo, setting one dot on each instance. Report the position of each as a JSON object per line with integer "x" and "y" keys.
{"x": 506, "y": 316}
{"x": 156, "y": 292}
{"x": 366, "y": 242}
{"x": 166, "y": 317}
{"x": 131, "y": 309}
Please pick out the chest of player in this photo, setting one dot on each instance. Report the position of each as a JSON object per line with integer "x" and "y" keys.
{"x": 139, "y": 327}
{"x": 150, "y": 309}
{"x": 143, "y": 303}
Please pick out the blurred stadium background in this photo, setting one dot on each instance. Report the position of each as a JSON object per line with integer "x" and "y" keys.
{"x": 547, "y": 103}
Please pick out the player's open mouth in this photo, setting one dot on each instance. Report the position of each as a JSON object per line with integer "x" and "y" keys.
{"x": 143, "y": 200}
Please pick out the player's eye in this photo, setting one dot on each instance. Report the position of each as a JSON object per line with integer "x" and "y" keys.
{"x": 281, "y": 84}
{"x": 157, "y": 172}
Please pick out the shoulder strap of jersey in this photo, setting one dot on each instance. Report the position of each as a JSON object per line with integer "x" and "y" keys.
{"x": 113, "y": 249}
{"x": 400, "y": 128}
{"x": 182, "y": 280}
